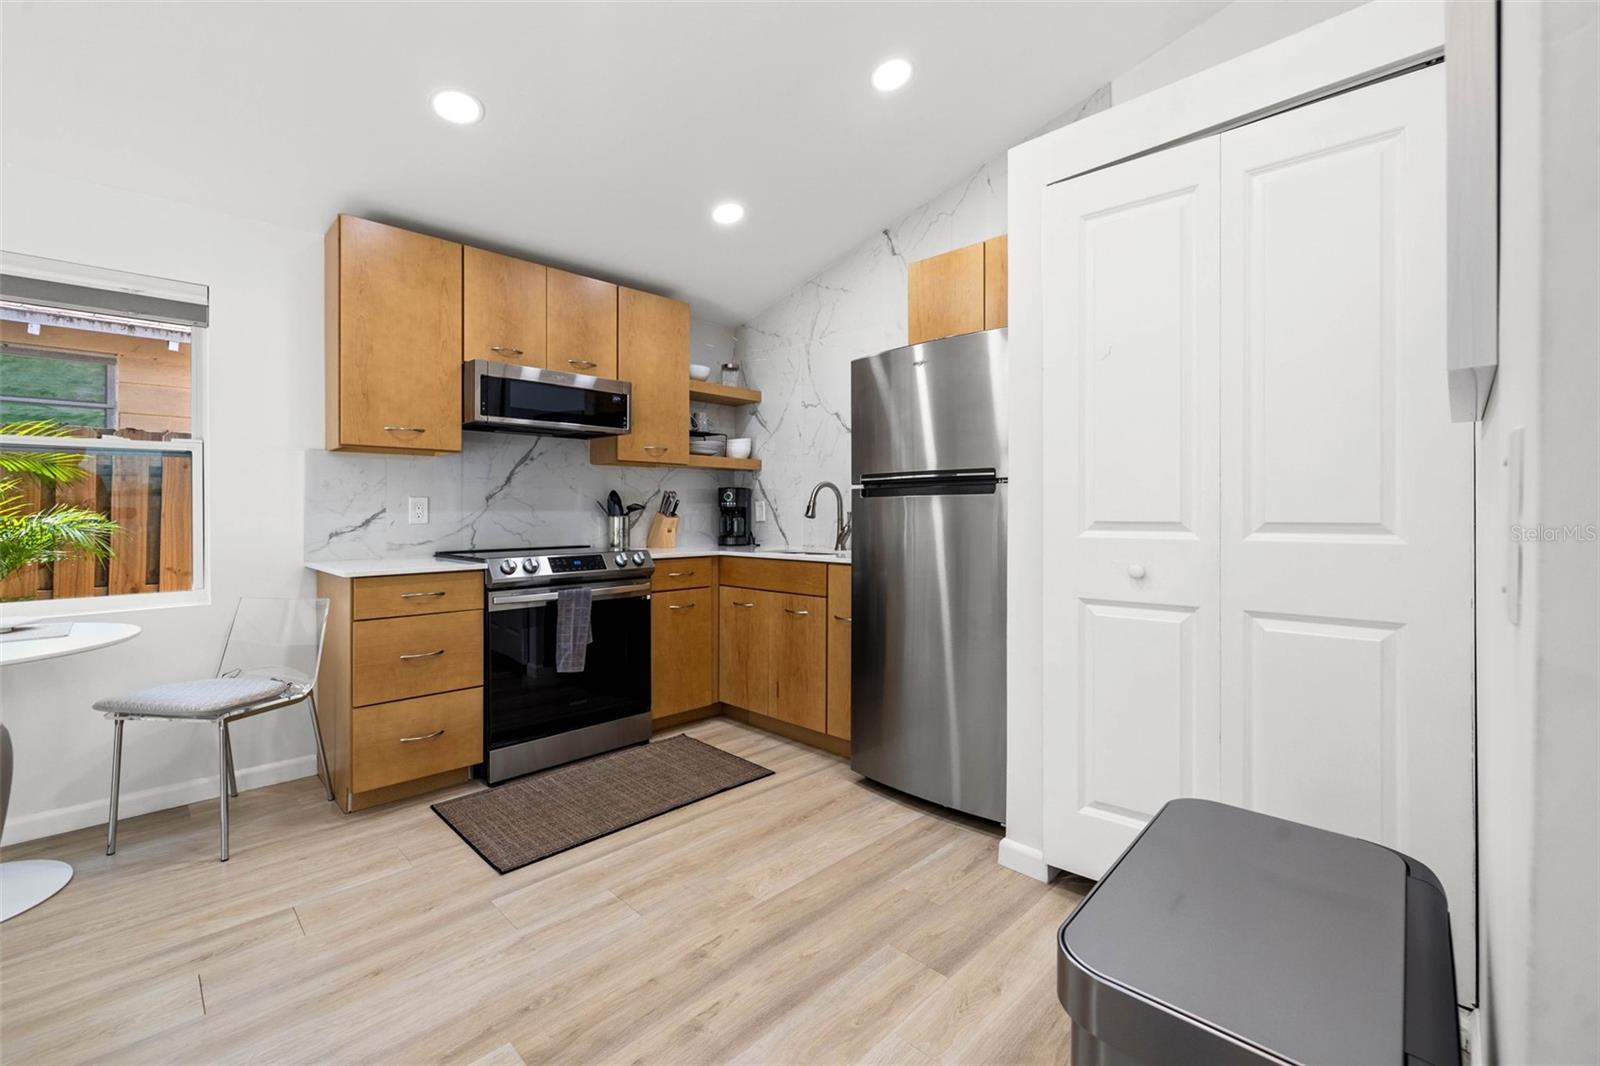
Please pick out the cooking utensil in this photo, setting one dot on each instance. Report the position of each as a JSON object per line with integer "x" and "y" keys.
{"x": 614, "y": 503}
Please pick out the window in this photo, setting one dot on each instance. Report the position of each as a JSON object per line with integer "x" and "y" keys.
{"x": 72, "y": 388}
{"x": 101, "y": 486}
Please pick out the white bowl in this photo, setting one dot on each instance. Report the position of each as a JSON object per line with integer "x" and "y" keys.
{"x": 699, "y": 373}
{"x": 739, "y": 448}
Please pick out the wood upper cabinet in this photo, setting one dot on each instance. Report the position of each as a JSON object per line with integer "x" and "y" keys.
{"x": 797, "y": 633}
{"x": 961, "y": 291}
{"x": 996, "y": 283}
{"x": 393, "y": 316}
{"x": 503, "y": 308}
{"x": 652, "y": 354}
{"x": 580, "y": 324}
{"x": 945, "y": 295}
{"x": 683, "y": 660}
{"x": 744, "y": 674}
{"x": 839, "y": 651}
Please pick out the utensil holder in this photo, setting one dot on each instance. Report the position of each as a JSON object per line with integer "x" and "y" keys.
{"x": 616, "y": 531}
{"x": 663, "y": 531}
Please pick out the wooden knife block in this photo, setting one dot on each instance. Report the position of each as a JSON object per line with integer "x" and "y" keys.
{"x": 663, "y": 531}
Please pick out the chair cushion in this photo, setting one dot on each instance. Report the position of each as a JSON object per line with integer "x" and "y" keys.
{"x": 209, "y": 698}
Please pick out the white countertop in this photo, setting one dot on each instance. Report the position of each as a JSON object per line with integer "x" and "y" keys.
{"x": 427, "y": 564}
{"x": 793, "y": 555}
{"x": 415, "y": 564}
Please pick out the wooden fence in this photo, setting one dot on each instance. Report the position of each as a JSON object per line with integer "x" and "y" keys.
{"x": 151, "y": 498}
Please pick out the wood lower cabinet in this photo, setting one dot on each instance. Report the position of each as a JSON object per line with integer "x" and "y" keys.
{"x": 745, "y": 667}
{"x": 839, "y": 622}
{"x": 683, "y": 651}
{"x": 780, "y": 652}
{"x": 400, "y": 692}
{"x": 652, "y": 354}
{"x": 797, "y": 634}
{"x": 393, "y": 343}
{"x": 580, "y": 325}
{"x": 502, "y": 308}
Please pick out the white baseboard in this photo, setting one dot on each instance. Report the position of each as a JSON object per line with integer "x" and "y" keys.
{"x": 1025, "y": 859}
{"x": 162, "y": 797}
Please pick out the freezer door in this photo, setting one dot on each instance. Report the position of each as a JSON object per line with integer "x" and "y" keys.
{"x": 934, "y": 406}
{"x": 928, "y": 649}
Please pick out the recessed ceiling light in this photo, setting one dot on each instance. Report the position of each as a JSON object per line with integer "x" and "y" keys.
{"x": 727, "y": 214}
{"x": 456, "y": 106}
{"x": 891, "y": 74}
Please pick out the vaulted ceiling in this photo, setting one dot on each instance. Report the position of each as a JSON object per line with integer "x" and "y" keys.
{"x": 611, "y": 129}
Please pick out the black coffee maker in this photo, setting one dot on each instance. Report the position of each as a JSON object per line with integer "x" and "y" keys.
{"x": 734, "y": 503}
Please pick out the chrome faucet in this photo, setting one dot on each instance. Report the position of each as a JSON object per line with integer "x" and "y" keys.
{"x": 841, "y": 533}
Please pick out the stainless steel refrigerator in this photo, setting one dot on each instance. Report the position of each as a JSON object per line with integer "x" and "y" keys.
{"x": 928, "y": 643}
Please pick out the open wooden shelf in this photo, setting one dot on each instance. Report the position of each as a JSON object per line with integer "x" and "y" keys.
{"x": 722, "y": 462}
{"x": 726, "y": 395}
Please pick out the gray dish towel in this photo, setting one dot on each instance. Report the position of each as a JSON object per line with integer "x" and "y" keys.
{"x": 572, "y": 629}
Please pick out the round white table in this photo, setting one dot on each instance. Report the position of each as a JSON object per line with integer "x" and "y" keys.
{"x": 27, "y": 883}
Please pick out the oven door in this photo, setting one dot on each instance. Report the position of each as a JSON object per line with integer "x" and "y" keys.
{"x": 523, "y": 399}
{"x": 535, "y": 717}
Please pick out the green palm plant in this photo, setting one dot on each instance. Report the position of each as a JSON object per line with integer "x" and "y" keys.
{"x": 55, "y": 533}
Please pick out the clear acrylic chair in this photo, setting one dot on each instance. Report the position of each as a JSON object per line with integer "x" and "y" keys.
{"x": 270, "y": 661}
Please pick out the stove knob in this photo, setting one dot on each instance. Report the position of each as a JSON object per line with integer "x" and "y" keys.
{"x": 530, "y": 565}
{"x": 508, "y": 566}
{"x": 638, "y": 558}
{"x": 621, "y": 558}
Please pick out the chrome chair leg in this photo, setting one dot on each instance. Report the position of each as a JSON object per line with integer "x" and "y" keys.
{"x": 116, "y": 785}
{"x": 227, "y": 740}
{"x": 323, "y": 771}
{"x": 222, "y": 783}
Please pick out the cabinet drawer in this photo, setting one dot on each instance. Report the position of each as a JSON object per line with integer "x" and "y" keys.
{"x": 697, "y": 573}
{"x": 395, "y": 658}
{"x": 775, "y": 575}
{"x": 402, "y": 594}
{"x": 408, "y": 739}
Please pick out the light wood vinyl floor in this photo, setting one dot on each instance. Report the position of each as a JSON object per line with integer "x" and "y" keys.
{"x": 808, "y": 917}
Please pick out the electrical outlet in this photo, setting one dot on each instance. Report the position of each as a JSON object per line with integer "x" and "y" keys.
{"x": 417, "y": 510}
{"x": 761, "y": 510}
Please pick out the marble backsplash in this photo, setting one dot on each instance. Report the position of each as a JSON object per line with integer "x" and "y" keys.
{"x": 502, "y": 490}
{"x": 798, "y": 351}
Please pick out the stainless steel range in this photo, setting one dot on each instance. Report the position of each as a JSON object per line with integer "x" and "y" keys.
{"x": 535, "y": 716}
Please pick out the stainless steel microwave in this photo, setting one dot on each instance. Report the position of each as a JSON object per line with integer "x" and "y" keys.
{"x": 508, "y": 398}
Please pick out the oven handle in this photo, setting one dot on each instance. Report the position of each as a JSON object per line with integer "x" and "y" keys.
{"x": 510, "y": 601}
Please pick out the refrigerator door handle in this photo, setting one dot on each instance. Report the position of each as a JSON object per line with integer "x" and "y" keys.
{"x": 931, "y": 483}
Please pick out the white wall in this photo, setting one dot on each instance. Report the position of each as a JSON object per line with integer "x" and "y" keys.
{"x": 263, "y": 392}
{"x": 1538, "y": 800}
{"x": 1238, "y": 28}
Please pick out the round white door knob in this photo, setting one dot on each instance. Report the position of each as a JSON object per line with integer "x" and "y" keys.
{"x": 1136, "y": 572}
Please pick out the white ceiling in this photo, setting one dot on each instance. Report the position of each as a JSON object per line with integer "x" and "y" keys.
{"x": 611, "y": 129}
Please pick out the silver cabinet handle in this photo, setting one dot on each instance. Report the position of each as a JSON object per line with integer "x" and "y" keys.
{"x": 405, "y": 429}
{"x": 680, "y": 606}
{"x": 425, "y": 736}
{"x": 797, "y": 614}
{"x": 420, "y": 595}
{"x": 422, "y": 655}
{"x": 736, "y": 603}
{"x": 842, "y": 618}
{"x": 503, "y": 350}
{"x": 680, "y": 573}
{"x": 582, "y": 364}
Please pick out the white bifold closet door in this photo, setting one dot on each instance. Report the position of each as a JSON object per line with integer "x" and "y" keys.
{"x": 1244, "y": 357}
{"x": 1130, "y": 464}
